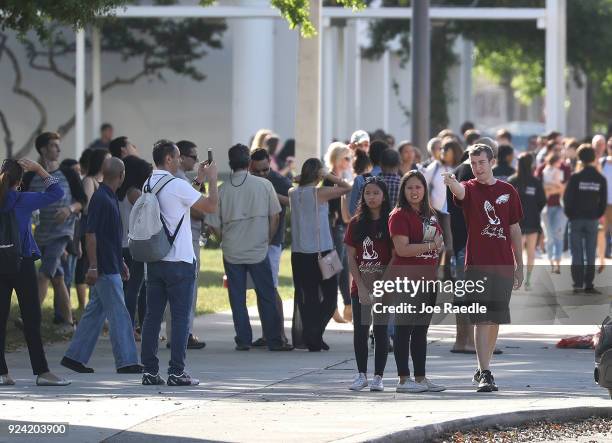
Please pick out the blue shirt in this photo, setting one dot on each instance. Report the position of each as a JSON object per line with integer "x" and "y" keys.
{"x": 24, "y": 203}
{"x": 356, "y": 192}
{"x": 104, "y": 220}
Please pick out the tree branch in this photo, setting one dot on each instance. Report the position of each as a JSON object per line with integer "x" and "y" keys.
{"x": 69, "y": 124}
{"x": 19, "y": 90}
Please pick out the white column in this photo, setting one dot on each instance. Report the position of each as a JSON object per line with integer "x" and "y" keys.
{"x": 253, "y": 77}
{"x": 386, "y": 90}
{"x": 341, "y": 110}
{"x": 96, "y": 73}
{"x": 329, "y": 84}
{"x": 466, "y": 51}
{"x": 308, "y": 114}
{"x": 359, "y": 28}
{"x": 556, "y": 55}
{"x": 79, "y": 126}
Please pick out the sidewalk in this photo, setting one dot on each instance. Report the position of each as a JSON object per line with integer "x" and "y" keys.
{"x": 298, "y": 396}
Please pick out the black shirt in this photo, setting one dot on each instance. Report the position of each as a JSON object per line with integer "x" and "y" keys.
{"x": 533, "y": 200}
{"x": 281, "y": 186}
{"x": 503, "y": 171}
{"x": 335, "y": 209}
{"x": 104, "y": 220}
{"x": 586, "y": 195}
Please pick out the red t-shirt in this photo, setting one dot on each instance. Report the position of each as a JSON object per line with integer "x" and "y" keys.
{"x": 410, "y": 224}
{"x": 489, "y": 210}
{"x": 372, "y": 255}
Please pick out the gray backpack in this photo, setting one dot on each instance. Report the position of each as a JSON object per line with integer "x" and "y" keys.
{"x": 148, "y": 237}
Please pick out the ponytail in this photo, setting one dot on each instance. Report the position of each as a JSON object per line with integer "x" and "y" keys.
{"x": 10, "y": 174}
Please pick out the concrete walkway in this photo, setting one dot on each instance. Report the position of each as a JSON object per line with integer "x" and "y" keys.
{"x": 298, "y": 396}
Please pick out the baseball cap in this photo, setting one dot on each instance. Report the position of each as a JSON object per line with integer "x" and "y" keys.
{"x": 360, "y": 136}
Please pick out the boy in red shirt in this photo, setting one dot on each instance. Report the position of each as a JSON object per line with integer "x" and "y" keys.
{"x": 492, "y": 211}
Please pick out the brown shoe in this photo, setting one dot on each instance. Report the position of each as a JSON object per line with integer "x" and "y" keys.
{"x": 348, "y": 313}
{"x": 338, "y": 318}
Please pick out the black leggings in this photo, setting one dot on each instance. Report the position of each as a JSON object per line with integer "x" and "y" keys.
{"x": 361, "y": 332}
{"x": 25, "y": 284}
{"x": 413, "y": 338}
{"x": 410, "y": 338}
{"x": 315, "y": 301}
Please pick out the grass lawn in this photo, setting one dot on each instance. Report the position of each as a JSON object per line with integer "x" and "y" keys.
{"x": 212, "y": 297}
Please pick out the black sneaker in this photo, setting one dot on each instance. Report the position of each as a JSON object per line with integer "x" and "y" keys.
{"x": 152, "y": 379}
{"x": 486, "y": 382}
{"x": 75, "y": 366}
{"x": 131, "y": 369}
{"x": 476, "y": 377}
{"x": 324, "y": 346}
{"x": 183, "y": 379}
{"x": 242, "y": 348}
{"x": 260, "y": 343}
{"x": 194, "y": 343}
{"x": 592, "y": 291}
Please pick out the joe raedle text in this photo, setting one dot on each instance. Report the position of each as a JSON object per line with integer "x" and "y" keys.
{"x": 424, "y": 308}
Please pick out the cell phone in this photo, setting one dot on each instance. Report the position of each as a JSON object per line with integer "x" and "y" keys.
{"x": 210, "y": 156}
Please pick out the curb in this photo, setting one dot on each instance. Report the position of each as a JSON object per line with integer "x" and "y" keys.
{"x": 515, "y": 418}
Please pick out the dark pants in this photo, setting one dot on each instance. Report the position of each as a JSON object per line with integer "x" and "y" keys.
{"x": 343, "y": 277}
{"x": 25, "y": 284}
{"x": 167, "y": 282}
{"x": 361, "y": 332}
{"x": 411, "y": 339}
{"x": 315, "y": 301}
{"x": 261, "y": 273}
{"x": 583, "y": 244}
{"x": 134, "y": 289}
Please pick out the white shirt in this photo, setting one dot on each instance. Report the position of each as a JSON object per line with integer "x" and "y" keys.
{"x": 435, "y": 182}
{"x": 175, "y": 201}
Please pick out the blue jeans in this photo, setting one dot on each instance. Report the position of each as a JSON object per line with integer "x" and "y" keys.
{"x": 583, "y": 242}
{"x": 69, "y": 266}
{"x": 261, "y": 273}
{"x": 105, "y": 301}
{"x": 554, "y": 222}
{"x": 167, "y": 282}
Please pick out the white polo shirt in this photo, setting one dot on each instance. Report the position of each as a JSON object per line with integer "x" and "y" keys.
{"x": 175, "y": 201}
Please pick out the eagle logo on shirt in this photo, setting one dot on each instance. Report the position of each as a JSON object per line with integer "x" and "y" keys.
{"x": 504, "y": 198}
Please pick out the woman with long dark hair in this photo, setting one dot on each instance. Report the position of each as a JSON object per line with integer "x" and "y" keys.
{"x": 23, "y": 279}
{"x": 369, "y": 247}
{"x": 137, "y": 171}
{"x": 417, "y": 244}
{"x": 311, "y": 236}
{"x": 533, "y": 200}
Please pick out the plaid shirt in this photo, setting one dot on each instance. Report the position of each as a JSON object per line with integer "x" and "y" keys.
{"x": 393, "y": 185}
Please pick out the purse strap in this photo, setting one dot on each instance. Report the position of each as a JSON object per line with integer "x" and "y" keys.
{"x": 317, "y": 223}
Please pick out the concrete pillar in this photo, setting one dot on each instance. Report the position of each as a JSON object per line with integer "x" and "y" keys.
{"x": 96, "y": 73}
{"x": 341, "y": 111}
{"x": 329, "y": 84}
{"x": 308, "y": 115}
{"x": 252, "y": 76}
{"x": 421, "y": 81}
{"x": 466, "y": 51}
{"x": 79, "y": 126}
{"x": 386, "y": 89}
{"x": 556, "y": 56}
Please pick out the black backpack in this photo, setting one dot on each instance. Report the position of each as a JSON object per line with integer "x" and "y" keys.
{"x": 10, "y": 244}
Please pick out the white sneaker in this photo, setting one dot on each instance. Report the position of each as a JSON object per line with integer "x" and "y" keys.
{"x": 431, "y": 387}
{"x": 410, "y": 386}
{"x": 359, "y": 382}
{"x": 377, "y": 384}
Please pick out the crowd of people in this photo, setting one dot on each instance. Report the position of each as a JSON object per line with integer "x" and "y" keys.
{"x": 464, "y": 207}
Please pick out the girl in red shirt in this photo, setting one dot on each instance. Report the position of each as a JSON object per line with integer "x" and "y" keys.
{"x": 369, "y": 252}
{"x": 417, "y": 242}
